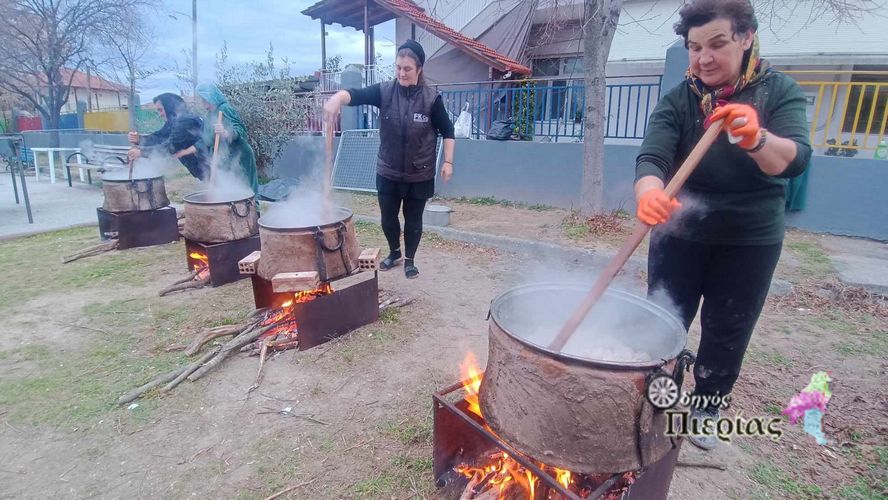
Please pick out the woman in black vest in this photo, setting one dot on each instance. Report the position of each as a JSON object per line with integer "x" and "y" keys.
{"x": 412, "y": 115}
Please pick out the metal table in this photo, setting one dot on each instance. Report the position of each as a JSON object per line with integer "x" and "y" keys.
{"x": 18, "y": 143}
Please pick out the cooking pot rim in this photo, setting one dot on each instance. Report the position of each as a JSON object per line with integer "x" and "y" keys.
{"x": 344, "y": 212}
{"x": 680, "y": 333}
{"x": 189, "y": 198}
{"x": 134, "y": 179}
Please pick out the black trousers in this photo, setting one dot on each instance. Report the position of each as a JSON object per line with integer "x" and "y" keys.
{"x": 732, "y": 281}
{"x": 412, "y": 197}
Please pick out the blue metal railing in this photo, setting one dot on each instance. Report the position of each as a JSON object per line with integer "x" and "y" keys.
{"x": 554, "y": 108}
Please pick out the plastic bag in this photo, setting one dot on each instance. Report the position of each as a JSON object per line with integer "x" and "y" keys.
{"x": 463, "y": 126}
{"x": 501, "y": 130}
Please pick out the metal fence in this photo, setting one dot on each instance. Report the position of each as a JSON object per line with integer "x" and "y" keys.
{"x": 555, "y": 108}
{"x": 847, "y": 110}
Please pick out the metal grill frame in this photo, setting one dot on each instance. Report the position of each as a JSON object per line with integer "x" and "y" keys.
{"x": 367, "y": 168}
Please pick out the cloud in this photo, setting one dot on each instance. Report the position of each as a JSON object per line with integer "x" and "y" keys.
{"x": 248, "y": 28}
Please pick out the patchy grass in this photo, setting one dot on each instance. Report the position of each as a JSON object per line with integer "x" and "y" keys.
{"x": 277, "y": 461}
{"x": 813, "y": 260}
{"x": 771, "y": 357}
{"x": 413, "y": 430}
{"x": 775, "y": 480}
{"x": 402, "y": 474}
{"x": 390, "y": 316}
{"x": 574, "y": 227}
{"x": 76, "y": 387}
{"x": 45, "y": 272}
{"x": 871, "y": 485}
{"x": 487, "y": 201}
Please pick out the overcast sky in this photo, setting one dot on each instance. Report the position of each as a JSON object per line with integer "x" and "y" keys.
{"x": 248, "y": 27}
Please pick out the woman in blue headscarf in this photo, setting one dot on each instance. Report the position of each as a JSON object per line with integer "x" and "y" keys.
{"x": 234, "y": 149}
{"x": 180, "y": 136}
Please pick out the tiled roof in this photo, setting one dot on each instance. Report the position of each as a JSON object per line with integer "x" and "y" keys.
{"x": 469, "y": 45}
{"x": 96, "y": 82}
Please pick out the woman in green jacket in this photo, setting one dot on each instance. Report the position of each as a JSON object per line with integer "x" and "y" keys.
{"x": 725, "y": 243}
{"x": 234, "y": 149}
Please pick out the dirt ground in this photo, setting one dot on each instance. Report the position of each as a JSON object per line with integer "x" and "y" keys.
{"x": 74, "y": 337}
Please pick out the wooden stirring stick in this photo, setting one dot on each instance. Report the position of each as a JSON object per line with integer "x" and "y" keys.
{"x": 641, "y": 229}
{"x": 214, "y": 162}
{"x": 328, "y": 165}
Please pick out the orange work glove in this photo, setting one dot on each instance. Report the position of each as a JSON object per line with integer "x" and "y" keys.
{"x": 741, "y": 122}
{"x": 655, "y": 207}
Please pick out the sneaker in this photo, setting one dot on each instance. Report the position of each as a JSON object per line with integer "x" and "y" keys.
{"x": 702, "y": 441}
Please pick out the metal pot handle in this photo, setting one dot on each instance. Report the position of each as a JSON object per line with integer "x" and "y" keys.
{"x": 148, "y": 185}
{"x": 246, "y": 205}
{"x": 319, "y": 238}
{"x": 682, "y": 364}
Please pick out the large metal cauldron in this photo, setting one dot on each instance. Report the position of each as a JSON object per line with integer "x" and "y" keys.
{"x": 583, "y": 409}
{"x": 290, "y": 243}
{"x": 217, "y": 219}
{"x": 126, "y": 195}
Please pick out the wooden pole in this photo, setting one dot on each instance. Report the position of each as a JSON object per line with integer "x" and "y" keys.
{"x": 619, "y": 260}
{"x": 214, "y": 163}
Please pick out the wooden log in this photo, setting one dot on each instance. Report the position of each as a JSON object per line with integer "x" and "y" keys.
{"x": 211, "y": 334}
{"x": 90, "y": 251}
{"x": 248, "y": 264}
{"x": 226, "y": 350}
{"x": 262, "y": 353}
{"x": 295, "y": 282}
{"x": 139, "y": 391}
{"x": 189, "y": 369}
{"x": 195, "y": 284}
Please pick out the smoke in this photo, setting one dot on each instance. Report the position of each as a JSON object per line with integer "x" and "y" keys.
{"x": 228, "y": 182}
{"x": 143, "y": 168}
{"x": 305, "y": 204}
{"x": 624, "y": 326}
{"x": 692, "y": 210}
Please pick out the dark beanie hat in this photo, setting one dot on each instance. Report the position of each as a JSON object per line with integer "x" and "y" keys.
{"x": 416, "y": 48}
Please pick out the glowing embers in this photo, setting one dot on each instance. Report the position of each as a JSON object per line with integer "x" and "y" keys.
{"x": 472, "y": 462}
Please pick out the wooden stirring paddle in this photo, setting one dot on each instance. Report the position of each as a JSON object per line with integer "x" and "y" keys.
{"x": 641, "y": 229}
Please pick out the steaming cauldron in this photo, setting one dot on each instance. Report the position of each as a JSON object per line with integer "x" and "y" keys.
{"x": 583, "y": 409}
{"x": 125, "y": 195}
{"x": 300, "y": 242}
{"x": 216, "y": 219}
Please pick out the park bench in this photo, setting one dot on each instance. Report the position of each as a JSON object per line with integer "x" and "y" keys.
{"x": 101, "y": 158}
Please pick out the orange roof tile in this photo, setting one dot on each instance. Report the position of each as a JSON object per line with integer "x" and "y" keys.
{"x": 411, "y": 11}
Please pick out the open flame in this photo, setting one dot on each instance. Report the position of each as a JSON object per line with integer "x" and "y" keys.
{"x": 201, "y": 268}
{"x": 471, "y": 376}
{"x": 282, "y": 316}
{"x": 500, "y": 470}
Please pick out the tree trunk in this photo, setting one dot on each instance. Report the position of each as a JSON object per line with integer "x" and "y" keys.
{"x": 132, "y": 101}
{"x": 601, "y": 23}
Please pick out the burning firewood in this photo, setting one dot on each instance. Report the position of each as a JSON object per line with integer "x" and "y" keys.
{"x": 89, "y": 252}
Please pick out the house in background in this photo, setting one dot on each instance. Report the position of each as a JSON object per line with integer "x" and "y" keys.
{"x": 99, "y": 94}
{"x": 476, "y": 49}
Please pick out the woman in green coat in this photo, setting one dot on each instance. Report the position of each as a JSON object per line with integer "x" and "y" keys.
{"x": 234, "y": 149}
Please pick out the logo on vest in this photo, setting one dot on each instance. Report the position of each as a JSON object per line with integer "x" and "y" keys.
{"x": 420, "y": 118}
